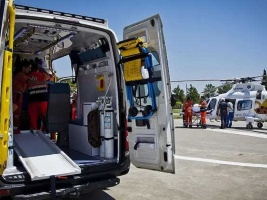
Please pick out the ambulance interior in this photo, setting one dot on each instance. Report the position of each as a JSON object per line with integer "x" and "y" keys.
{"x": 92, "y": 62}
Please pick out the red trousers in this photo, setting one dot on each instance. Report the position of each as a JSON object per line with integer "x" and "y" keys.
{"x": 37, "y": 109}
{"x": 203, "y": 117}
{"x": 188, "y": 117}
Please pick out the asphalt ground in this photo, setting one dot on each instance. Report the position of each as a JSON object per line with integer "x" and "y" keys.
{"x": 210, "y": 164}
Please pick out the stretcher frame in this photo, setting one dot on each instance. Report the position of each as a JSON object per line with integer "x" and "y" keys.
{"x": 196, "y": 118}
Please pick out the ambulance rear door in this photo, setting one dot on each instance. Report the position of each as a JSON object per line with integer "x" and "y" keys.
{"x": 151, "y": 134}
{"x": 7, "y": 18}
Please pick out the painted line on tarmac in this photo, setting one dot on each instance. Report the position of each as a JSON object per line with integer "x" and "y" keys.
{"x": 259, "y": 135}
{"x": 220, "y": 162}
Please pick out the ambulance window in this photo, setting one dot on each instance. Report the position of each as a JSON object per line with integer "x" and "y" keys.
{"x": 62, "y": 66}
{"x": 141, "y": 97}
{"x": 157, "y": 72}
{"x": 155, "y": 58}
{"x": 244, "y": 105}
{"x": 140, "y": 91}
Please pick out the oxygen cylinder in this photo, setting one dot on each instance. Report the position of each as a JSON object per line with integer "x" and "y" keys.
{"x": 102, "y": 134}
{"x": 109, "y": 134}
{"x": 106, "y": 128}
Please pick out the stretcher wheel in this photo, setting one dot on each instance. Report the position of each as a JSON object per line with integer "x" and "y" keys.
{"x": 133, "y": 111}
{"x": 147, "y": 110}
{"x": 260, "y": 125}
{"x": 249, "y": 126}
{"x": 204, "y": 126}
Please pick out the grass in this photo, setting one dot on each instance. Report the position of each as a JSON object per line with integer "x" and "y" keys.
{"x": 176, "y": 113}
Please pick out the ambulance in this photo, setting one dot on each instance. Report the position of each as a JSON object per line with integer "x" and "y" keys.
{"x": 123, "y": 104}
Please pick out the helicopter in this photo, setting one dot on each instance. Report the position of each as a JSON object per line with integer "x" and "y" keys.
{"x": 249, "y": 101}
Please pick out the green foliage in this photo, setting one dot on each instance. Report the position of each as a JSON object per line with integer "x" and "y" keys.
{"x": 209, "y": 91}
{"x": 178, "y": 94}
{"x": 178, "y": 104}
{"x": 224, "y": 88}
{"x": 176, "y": 113}
{"x": 193, "y": 94}
{"x": 72, "y": 85}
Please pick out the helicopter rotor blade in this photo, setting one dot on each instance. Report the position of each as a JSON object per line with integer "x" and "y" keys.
{"x": 193, "y": 80}
{"x": 234, "y": 80}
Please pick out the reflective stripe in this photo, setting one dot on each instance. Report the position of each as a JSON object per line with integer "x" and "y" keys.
{"x": 36, "y": 87}
{"x": 38, "y": 91}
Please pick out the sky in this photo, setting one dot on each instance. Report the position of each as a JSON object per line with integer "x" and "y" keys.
{"x": 205, "y": 39}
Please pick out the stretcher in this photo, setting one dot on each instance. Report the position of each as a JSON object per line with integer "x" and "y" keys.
{"x": 196, "y": 115}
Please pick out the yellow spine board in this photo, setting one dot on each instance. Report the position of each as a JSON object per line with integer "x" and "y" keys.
{"x": 5, "y": 91}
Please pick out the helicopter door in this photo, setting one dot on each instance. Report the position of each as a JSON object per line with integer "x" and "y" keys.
{"x": 7, "y": 19}
{"x": 146, "y": 73}
{"x": 243, "y": 108}
{"x": 212, "y": 108}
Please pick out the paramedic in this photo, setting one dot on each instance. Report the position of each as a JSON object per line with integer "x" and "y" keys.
{"x": 37, "y": 96}
{"x": 187, "y": 107}
{"x": 223, "y": 111}
{"x": 230, "y": 115}
{"x": 203, "y": 111}
{"x": 20, "y": 80}
{"x": 74, "y": 106}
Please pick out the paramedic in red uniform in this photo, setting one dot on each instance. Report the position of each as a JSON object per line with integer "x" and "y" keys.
{"x": 187, "y": 107}
{"x": 37, "y": 106}
{"x": 20, "y": 80}
{"x": 203, "y": 111}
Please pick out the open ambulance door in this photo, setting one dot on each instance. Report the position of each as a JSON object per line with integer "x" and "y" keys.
{"x": 146, "y": 74}
{"x": 7, "y": 18}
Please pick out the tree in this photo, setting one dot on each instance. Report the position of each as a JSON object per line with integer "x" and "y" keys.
{"x": 224, "y": 88}
{"x": 179, "y": 94}
{"x": 73, "y": 86}
{"x": 264, "y": 79}
{"x": 193, "y": 94}
{"x": 209, "y": 91}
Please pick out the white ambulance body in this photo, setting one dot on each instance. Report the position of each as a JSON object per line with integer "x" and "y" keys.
{"x": 119, "y": 119}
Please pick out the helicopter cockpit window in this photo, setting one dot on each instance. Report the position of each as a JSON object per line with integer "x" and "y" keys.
{"x": 244, "y": 105}
{"x": 212, "y": 104}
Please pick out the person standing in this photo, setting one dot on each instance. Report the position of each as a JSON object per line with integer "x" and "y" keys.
{"x": 203, "y": 111}
{"x": 230, "y": 115}
{"x": 187, "y": 107}
{"x": 37, "y": 106}
{"x": 19, "y": 84}
{"x": 223, "y": 112}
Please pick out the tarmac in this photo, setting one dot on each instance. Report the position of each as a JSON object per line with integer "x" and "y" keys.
{"x": 210, "y": 163}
